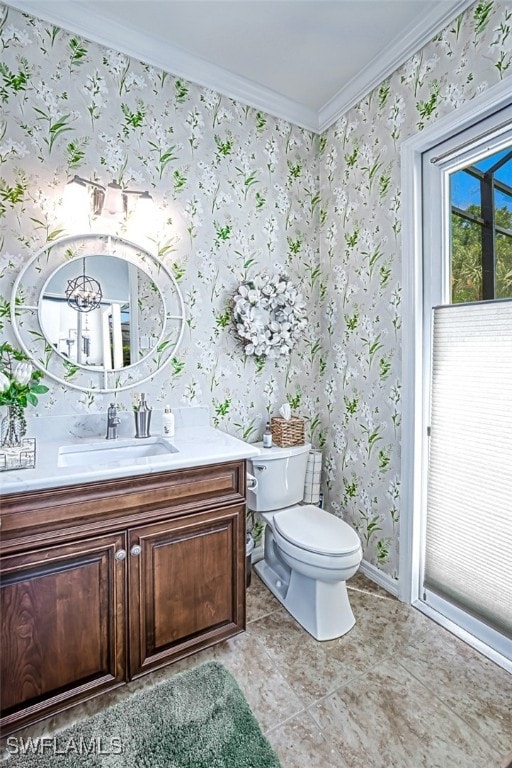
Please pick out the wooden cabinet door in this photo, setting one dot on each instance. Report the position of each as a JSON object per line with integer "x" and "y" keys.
{"x": 186, "y": 586}
{"x": 63, "y": 626}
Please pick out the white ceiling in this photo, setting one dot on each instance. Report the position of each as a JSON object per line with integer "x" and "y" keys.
{"x": 307, "y": 61}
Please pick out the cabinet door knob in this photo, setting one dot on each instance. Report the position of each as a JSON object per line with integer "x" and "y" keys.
{"x": 120, "y": 554}
{"x": 136, "y": 550}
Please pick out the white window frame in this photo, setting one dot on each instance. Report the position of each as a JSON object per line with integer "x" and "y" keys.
{"x": 415, "y": 368}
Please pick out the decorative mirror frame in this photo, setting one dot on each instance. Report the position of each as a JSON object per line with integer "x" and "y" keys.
{"x": 26, "y": 296}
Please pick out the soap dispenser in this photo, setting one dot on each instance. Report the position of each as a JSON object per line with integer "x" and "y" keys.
{"x": 142, "y": 417}
{"x": 168, "y": 422}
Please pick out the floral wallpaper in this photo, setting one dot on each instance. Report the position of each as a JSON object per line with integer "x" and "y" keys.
{"x": 236, "y": 193}
{"x": 239, "y": 193}
{"x": 361, "y": 263}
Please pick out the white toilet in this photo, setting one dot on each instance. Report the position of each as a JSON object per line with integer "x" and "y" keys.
{"x": 309, "y": 553}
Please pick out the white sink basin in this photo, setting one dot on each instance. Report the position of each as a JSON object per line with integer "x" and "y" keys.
{"x": 145, "y": 450}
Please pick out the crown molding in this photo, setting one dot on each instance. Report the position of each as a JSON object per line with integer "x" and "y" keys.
{"x": 390, "y": 60}
{"x": 77, "y": 19}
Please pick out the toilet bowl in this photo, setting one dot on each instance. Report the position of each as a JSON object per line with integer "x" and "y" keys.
{"x": 309, "y": 553}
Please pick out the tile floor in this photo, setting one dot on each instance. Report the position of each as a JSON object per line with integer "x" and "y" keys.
{"x": 397, "y": 691}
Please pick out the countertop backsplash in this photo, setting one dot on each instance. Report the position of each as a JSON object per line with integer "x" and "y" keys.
{"x": 93, "y": 426}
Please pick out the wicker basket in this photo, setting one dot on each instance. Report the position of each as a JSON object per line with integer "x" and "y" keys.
{"x": 287, "y": 432}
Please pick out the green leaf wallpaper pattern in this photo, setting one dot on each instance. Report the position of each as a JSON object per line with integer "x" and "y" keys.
{"x": 361, "y": 263}
{"x": 239, "y": 192}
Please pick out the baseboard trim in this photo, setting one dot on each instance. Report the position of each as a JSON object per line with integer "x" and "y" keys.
{"x": 369, "y": 570}
{"x": 380, "y": 578}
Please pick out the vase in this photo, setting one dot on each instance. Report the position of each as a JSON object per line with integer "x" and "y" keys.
{"x": 13, "y": 427}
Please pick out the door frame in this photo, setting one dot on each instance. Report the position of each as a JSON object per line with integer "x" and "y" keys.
{"x": 415, "y": 387}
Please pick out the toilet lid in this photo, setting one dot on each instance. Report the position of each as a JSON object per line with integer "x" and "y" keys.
{"x": 315, "y": 530}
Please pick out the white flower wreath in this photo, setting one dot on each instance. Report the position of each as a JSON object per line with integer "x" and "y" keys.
{"x": 269, "y": 315}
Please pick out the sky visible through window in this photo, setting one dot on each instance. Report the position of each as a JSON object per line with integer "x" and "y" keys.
{"x": 465, "y": 189}
{"x": 481, "y": 230}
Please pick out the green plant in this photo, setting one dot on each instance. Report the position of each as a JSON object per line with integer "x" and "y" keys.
{"x": 255, "y": 526}
{"x": 19, "y": 380}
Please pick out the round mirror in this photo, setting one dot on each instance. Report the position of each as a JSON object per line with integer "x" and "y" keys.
{"x": 114, "y": 324}
{"x": 97, "y": 312}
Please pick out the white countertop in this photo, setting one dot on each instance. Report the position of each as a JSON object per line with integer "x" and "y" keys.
{"x": 195, "y": 446}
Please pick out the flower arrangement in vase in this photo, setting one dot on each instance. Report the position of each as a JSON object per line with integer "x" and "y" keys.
{"x": 19, "y": 387}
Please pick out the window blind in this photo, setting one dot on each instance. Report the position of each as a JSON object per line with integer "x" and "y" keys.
{"x": 468, "y": 556}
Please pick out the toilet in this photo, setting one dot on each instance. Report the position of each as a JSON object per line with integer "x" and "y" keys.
{"x": 309, "y": 553}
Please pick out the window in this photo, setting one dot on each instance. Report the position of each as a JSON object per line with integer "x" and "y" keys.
{"x": 443, "y": 277}
{"x": 467, "y": 312}
{"x": 481, "y": 229}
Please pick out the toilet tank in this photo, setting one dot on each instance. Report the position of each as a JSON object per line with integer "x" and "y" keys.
{"x": 280, "y": 473}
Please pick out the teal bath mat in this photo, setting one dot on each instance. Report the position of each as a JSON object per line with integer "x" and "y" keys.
{"x": 198, "y": 719}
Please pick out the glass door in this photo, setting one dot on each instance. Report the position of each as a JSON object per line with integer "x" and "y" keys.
{"x": 466, "y": 558}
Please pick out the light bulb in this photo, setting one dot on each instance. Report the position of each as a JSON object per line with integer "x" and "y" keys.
{"x": 76, "y": 204}
{"x": 113, "y": 204}
{"x": 145, "y": 207}
{"x": 76, "y": 195}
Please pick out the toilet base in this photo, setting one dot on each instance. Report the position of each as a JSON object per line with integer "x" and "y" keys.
{"x": 321, "y": 607}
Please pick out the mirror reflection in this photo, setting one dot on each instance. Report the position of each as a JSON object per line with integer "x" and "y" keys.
{"x": 116, "y": 328}
{"x": 97, "y": 312}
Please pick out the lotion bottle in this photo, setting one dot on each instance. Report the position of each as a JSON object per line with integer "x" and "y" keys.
{"x": 168, "y": 422}
{"x": 267, "y": 437}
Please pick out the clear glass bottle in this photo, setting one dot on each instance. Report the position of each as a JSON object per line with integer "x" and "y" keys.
{"x": 267, "y": 436}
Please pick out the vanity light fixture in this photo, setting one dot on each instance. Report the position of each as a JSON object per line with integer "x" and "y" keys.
{"x": 111, "y": 200}
{"x": 84, "y": 293}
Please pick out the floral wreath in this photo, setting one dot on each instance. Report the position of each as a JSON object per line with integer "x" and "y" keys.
{"x": 269, "y": 315}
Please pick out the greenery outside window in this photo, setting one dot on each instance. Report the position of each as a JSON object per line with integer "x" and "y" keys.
{"x": 481, "y": 229}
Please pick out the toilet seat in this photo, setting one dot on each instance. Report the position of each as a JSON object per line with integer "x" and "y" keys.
{"x": 316, "y": 532}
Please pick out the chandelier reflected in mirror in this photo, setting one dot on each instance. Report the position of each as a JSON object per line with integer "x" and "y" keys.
{"x": 84, "y": 293}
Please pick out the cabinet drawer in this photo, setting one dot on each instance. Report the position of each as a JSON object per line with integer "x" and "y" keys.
{"x": 31, "y": 517}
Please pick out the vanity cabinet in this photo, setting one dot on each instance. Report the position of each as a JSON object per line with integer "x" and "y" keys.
{"x": 102, "y": 582}
{"x": 181, "y": 585}
{"x": 62, "y": 624}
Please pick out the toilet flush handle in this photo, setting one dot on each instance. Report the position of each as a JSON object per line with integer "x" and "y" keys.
{"x": 252, "y": 483}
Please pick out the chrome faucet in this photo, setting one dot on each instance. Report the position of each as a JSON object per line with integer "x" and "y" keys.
{"x": 112, "y": 422}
